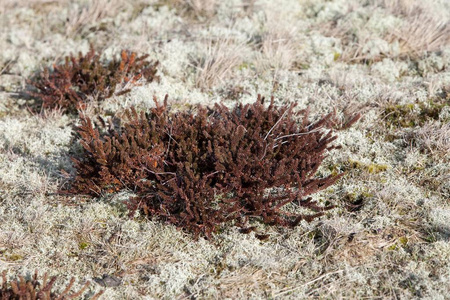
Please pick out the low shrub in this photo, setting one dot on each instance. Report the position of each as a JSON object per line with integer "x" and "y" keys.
{"x": 80, "y": 79}
{"x": 35, "y": 289}
{"x": 199, "y": 170}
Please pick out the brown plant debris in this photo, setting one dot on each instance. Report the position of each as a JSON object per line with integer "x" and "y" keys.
{"x": 35, "y": 289}
{"x": 200, "y": 170}
{"x": 70, "y": 85}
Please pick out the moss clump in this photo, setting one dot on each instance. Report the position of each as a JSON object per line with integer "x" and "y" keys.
{"x": 376, "y": 168}
{"x": 414, "y": 114}
{"x": 403, "y": 240}
{"x": 14, "y": 257}
{"x": 400, "y": 243}
{"x": 83, "y": 245}
{"x": 354, "y": 201}
{"x": 400, "y": 115}
{"x": 351, "y": 164}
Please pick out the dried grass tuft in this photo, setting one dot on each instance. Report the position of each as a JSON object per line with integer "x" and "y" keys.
{"x": 197, "y": 9}
{"x": 432, "y": 137}
{"x": 91, "y": 13}
{"x": 420, "y": 32}
{"x": 278, "y": 50}
{"x": 221, "y": 57}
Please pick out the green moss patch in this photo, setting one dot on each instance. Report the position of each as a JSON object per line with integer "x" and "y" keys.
{"x": 414, "y": 114}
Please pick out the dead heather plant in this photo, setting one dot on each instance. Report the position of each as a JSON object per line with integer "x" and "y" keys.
{"x": 70, "y": 85}
{"x": 36, "y": 289}
{"x": 201, "y": 170}
{"x": 221, "y": 57}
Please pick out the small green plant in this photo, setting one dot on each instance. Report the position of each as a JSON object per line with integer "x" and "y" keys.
{"x": 217, "y": 165}
{"x": 70, "y": 85}
{"x": 35, "y": 289}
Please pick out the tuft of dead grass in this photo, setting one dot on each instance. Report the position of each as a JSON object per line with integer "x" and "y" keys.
{"x": 12, "y": 4}
{"x": 202, "y": 7}
{"x": 278, "y": 50}
{"x": 90, "y": 13}
{"x": 196, "y": 9}
{"x": 420, "y": 32}
{"x": 433, "y": 137}
{"x": 221, "y": 57}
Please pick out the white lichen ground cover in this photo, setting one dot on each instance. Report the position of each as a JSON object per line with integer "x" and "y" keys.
{"x": 379, "y": 58}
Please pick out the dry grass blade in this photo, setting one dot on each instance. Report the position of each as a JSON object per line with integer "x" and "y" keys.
{"x": 290, "y": 290}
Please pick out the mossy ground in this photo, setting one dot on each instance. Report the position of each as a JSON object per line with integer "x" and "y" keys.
{"x": 389, "y": 237}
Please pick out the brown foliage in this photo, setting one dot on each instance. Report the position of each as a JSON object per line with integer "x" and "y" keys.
{"x": 71, "y": 84}
{"x": 34, "y": 289}
{"x": 200, "y": 170}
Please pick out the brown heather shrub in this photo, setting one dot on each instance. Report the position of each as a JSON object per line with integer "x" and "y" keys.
{"x": 200, "y": 170}
{"x": 34, "y": 289}
{"x": 80, "y": 79}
